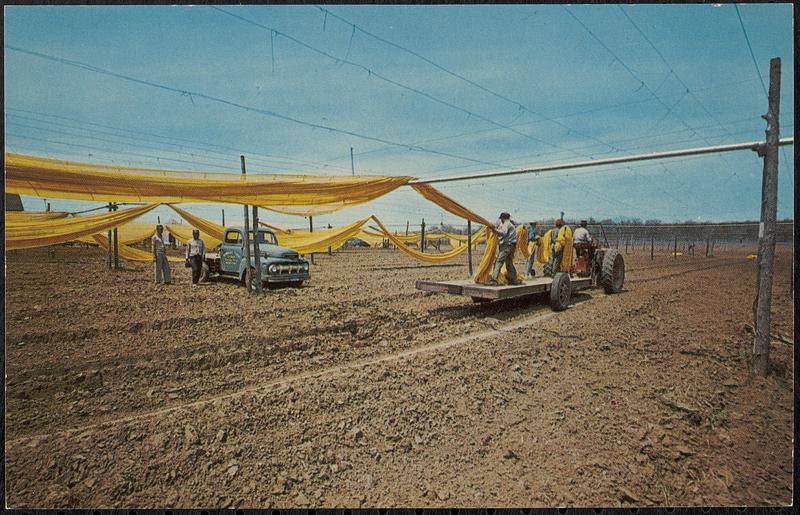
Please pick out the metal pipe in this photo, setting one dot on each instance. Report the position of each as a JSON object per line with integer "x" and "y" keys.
{"x": 752, "y": 145}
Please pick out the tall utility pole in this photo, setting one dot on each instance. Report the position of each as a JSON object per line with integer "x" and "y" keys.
{"x": 311, "y": 229}
{"x": 256, "y": 251}
{"x": 469, "y": 247}
{"x": 352, "y": 163}
{"x": 116, "y": 244}
{"x": 422, "y": 237}
{"x": 109, "y": 244}
{"x": 766, "y": 229}
{"x": 246, "y": 237}
{"x": 223, "y": 218}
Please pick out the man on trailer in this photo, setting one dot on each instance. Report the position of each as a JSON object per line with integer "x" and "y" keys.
{"x": 507, "y": 235}
{"x": 532, "y": 240}
{"x": 559, "y": 241}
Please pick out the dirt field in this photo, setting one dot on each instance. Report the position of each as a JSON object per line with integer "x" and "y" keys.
{"x": 358, "y": 390}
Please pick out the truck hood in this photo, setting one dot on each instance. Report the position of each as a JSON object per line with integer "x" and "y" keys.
{"x": 275, "y": 251}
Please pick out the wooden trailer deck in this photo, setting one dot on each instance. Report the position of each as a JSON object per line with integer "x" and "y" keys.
{"x": 467, "y": 287}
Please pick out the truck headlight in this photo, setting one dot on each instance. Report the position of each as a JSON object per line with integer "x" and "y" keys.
{"x": 273, "y": 268}
{"x": 305, "y": 267}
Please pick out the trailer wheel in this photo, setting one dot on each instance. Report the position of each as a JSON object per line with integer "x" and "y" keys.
{"x": 612, "y": 273}
{"x": 560, "y": 292}
{"x": 205, "y": 273}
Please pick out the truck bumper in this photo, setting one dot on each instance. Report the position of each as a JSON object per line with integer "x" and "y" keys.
{"x": 285, "y": 278}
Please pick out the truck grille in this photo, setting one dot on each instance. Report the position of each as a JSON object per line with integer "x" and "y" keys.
{"x": 288, "y": 269}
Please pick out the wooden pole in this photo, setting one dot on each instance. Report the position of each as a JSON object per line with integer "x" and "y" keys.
{"x": 406, "y": 227}
{"x": 675, "y": 249}
{"x": 766, "y": 230}
{"x": 469, "y": 247}
{"x": 256, "y": 251}
{"x": 116, "y": 245}
{"x": 708, "y": 242}
{"x": 246, "y": 237}
{"x": 311, "y": 229}
{"x": 352, "y": 163}
{"x": 109, "y": 242}
{"x": 626, "y": 245}
{"x": 422, "y": 238}
{"x": 652, "y": 243}
{"x": 330, "y": 250}
{"x": 223, "y": 218}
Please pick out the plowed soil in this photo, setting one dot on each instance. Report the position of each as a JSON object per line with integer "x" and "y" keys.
{"x": 359, "y": 390}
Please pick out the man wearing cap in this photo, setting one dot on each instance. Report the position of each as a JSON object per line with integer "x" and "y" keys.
{"x": 507, "y": 236}
{"x": 560, "y": 243}
{"x": 195, "y": 255}
{"x": 581, "y": 234}
{"x": 532, "y": 239}
{"x": 160, "y": 256}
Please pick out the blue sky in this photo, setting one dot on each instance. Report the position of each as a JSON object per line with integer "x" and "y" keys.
{"x": 591, "y": 85}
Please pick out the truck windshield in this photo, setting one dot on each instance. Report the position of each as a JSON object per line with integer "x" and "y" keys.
{"x": 263, "y": 237}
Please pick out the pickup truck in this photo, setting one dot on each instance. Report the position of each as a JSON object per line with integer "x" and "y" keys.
{"x": 279, "y": 265}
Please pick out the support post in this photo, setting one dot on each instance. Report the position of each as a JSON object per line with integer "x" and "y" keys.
{"x": 223, "y": 218}
{"x": 352, "y": 163}
{"x": 708, "y": 242}
{"x": 116, "y": 245}
{"x": 626, "y": 245}
{"x": 246, "y": 237}
{"x": 675, "y": 249}
{"x": 330, "y": 250}
{"x": 652, "y": 244}
{"x": 469, "y": 246}
{"x": 422, "y": 238}
{"x": 406, "y": 228}
{"x": 109, "y": 243}
{"x": 256, "y": 251}
{"x": 311, "y": 229}
{"x": 766, "y": 247}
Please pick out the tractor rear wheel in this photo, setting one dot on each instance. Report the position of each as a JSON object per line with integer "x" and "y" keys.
{"x": 612, "y": 273}
{"x": 560, "y": 292}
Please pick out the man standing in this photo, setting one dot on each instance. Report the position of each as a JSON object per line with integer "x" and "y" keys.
{"x": 160, "y": 256}
{"x": 581, "y": 234}
{"x": 560, "y": 248}
{"x": 532, "y": 238}
{"x": 507, "y": 234}
{"x": 196, "y": 254}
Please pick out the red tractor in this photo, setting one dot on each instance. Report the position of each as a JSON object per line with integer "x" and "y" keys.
{"x": 605, "y": 266}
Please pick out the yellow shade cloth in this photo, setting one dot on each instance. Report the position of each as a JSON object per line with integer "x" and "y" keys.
{"x": 29, "y": 175}
{"x": 183, "y": 233}
{"x": 563, "y": 240}
{"x": 24, "y": 217}
{"x": 129, "y": 233}
{"x": 209, "y": 229}
{"x": 306, "y": 242}
{"x": 428, "y": 258}
{"x": 133, "y": 254}
{"x": 51, "y": 232}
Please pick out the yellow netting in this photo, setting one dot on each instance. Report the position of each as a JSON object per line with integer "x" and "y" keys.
{"x": 132, "y": 254}
{"x": 563, "y": 241}
{"x": 24, "y": 217}
{"x": 306, "y": 242}
{"x": 183, "y": 233}
{"x": 428, "y": 258}
{"x": 51, "y": 232}
{"x": 28, "y": 175}
{"x": 129, "y": 233}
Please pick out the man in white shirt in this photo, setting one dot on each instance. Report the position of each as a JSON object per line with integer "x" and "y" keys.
{"x": 160, "y": 256}
{"x": 195, "y": 254}
{"x": 507, "y": 236}
{"x": 581, "y": 234}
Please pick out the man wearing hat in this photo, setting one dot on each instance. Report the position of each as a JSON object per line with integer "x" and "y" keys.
{"x": 581, "y": 234}
{"x": 532, "y": 239}
{"x": 160, "y": 256}
{"x": 195, "y": 254}
{"x": 507, "y": 236}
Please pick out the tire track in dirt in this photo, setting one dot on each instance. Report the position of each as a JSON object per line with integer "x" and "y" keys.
{"x": 324, "y": 373}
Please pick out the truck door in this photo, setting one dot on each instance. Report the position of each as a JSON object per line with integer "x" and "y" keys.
{"x": 230, "y": 252}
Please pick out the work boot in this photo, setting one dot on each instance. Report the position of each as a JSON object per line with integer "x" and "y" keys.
{"x": 492, "y": 283}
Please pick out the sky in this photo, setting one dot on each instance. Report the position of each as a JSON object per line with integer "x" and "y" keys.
{"x": 470, "y": 88}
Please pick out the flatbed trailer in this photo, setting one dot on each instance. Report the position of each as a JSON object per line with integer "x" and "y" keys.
{"x": 560, "y": 287}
